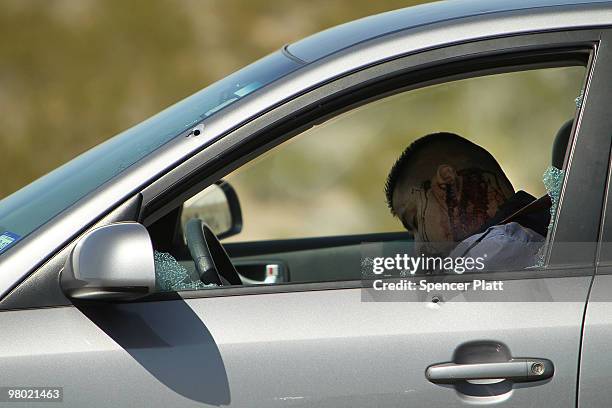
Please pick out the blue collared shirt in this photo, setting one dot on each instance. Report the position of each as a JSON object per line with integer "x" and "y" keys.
{"x": 503, "y": 247}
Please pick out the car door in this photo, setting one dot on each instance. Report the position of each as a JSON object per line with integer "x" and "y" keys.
{"x": 595, "y": 360}
{"x": 333, "y": 344}
{"x": 350, "y": 347}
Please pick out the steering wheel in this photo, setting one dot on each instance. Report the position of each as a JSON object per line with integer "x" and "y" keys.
{"x": 211, "y": 261}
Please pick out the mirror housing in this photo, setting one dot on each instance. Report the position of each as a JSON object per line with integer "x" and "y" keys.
{"x": 218, "y": 207}
{"x": 114, "y": 262}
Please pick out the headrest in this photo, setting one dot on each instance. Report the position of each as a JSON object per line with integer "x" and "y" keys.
{"x": 560, "y": 144}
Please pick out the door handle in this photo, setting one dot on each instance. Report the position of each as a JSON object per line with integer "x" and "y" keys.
{"x": 516, "y": 370}
{"x": 261, "y": 272}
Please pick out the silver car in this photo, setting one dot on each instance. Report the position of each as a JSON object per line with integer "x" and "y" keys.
{"x": 116, "y": 291}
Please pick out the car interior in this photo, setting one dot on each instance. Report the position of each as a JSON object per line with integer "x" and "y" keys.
{"x": 196, "y": 247}
{"x": 203, "y": 262}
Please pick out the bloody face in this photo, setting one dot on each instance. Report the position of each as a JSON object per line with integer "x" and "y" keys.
{"x": 449, "y": 207}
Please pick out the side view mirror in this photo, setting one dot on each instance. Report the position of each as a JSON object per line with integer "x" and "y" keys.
{"x": 114, "y": 262}
{"x": 218, "y": 206}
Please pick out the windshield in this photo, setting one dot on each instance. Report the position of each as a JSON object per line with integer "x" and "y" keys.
{"x": 27, "y": 209}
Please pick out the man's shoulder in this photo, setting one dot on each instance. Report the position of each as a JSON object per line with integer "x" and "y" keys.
{"x": 502, "y": 246}
{"x": 511, "y": 232}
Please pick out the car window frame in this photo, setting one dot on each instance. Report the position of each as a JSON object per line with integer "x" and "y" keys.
{"x": 604, "y": 250}
{"x": 542, "y": 46}
{"x": 434, "y": 82}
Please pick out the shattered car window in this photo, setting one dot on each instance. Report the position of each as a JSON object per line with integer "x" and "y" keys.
{"x": 171, "y": 276}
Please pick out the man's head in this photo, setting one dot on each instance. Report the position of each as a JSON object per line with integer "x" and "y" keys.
{"x": 445, "y": 188}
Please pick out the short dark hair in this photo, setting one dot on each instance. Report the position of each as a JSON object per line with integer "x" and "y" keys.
{"x": 407, "y": 155}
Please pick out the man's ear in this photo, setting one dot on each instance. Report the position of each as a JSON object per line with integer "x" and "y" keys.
{"x": 446, "y": 174}
{"x": 446, "y": 185}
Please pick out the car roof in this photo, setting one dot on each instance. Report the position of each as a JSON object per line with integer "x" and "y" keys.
{"x": 346, "y": 35}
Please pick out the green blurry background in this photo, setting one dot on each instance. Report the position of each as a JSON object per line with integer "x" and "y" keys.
{"x": 76, "y": 72}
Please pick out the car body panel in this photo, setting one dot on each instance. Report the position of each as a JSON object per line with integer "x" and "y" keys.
{"x": 595, "y": 356}
{"x": 310, "y": 349}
